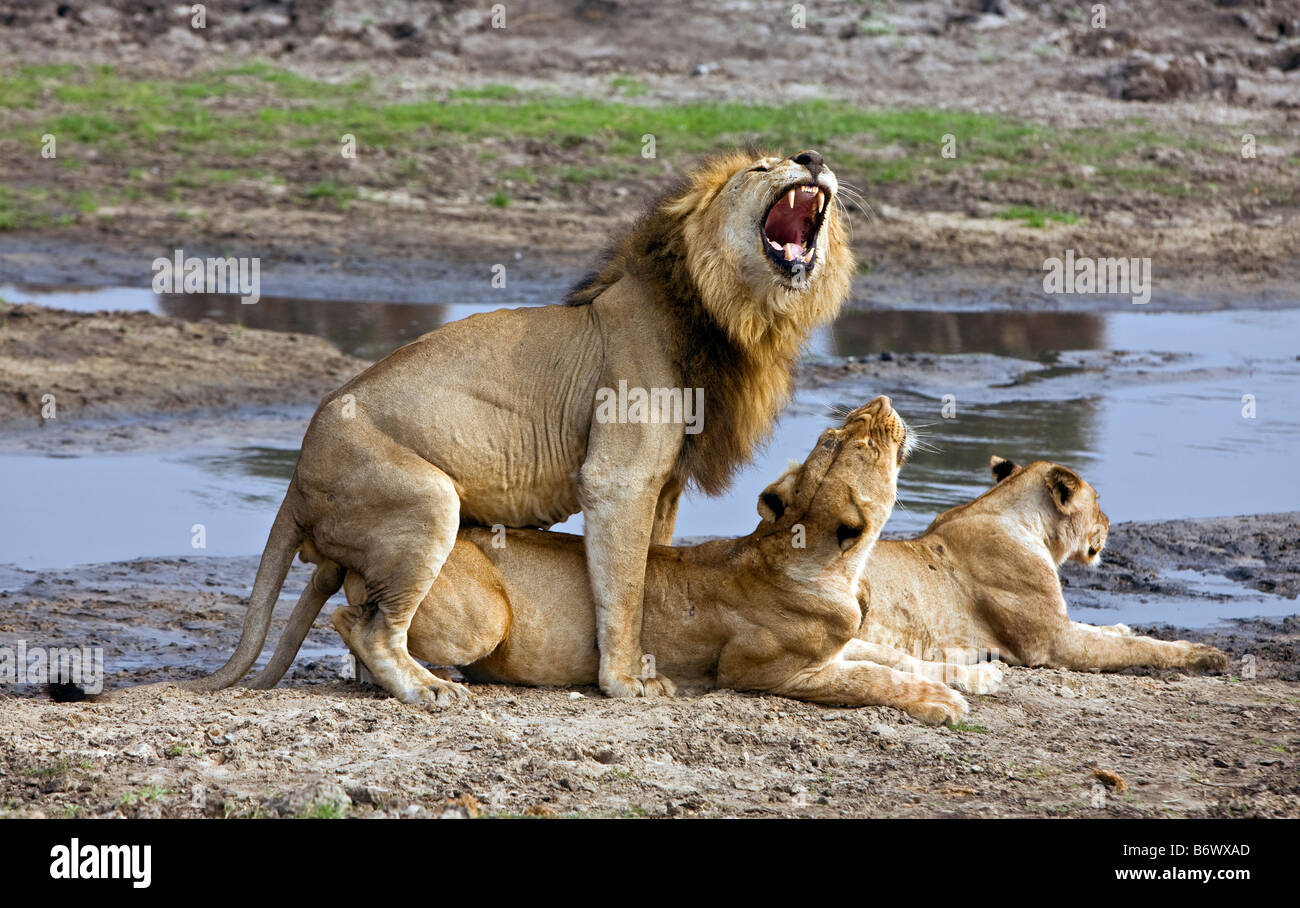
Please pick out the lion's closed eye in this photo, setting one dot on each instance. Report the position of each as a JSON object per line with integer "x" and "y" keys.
{"x": 847, "y": 534}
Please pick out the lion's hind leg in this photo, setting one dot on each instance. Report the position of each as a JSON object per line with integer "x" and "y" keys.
{"x": 979, "y": 678}
{"x": 399, "y": 521}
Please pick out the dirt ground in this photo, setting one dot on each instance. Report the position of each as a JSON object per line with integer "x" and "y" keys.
{"x": 122, "y": 365}
{"x": 1184, "y": 746}
{"x": 1174, "y": 747}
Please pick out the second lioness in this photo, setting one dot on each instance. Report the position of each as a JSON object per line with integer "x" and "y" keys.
{"x": 982, "y": 580}
{"x": 771, "y": 611}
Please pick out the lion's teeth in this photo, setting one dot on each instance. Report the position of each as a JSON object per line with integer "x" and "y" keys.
{"x": 821, "y": 201}
{"x": 808, "y": 257}
{"x": 775, "y": 245}
{"x": 790, "y": 198}
{"x": 792, "y": 252}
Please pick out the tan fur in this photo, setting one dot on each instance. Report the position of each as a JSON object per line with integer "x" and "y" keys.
{"x": 757, "y": 613}
{"x": 982, "y": 580}
{"x": 491, "y": 420}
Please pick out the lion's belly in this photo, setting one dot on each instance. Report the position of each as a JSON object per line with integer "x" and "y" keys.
{"x": 501, "y": 402}
{"x": 537, "y": 498}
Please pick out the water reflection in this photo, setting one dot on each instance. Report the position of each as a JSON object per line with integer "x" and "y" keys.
{"x": 1143, "y": 444}
{"x": 1024, "y": 335}
{"x": 369, "y": 330}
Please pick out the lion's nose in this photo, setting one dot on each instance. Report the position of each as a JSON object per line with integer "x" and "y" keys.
{"x": 810, "y": 159}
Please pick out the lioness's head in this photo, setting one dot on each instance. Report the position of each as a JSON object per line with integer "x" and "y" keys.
{"x": 1077, "y": 526}
{"x": 822, "y": 517}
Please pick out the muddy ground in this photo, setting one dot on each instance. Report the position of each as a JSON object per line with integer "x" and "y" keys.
{"x": 1183, "y": 746}
{"x": 1187, "y": 86}
{"x": 100, "y": 367}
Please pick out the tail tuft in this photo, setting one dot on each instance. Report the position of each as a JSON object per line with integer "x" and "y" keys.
{"x": 61, "y": 692}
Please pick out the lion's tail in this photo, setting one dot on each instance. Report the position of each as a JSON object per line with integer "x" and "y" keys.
{"x": 325, "y": 582}
{"x": 281, "y": 545}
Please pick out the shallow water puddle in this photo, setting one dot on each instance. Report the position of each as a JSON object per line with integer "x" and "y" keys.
{"x": 1211, "y": 599}
{"x": 1169, "y": 445}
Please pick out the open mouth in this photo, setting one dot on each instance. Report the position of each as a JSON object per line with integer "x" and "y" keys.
{"x": 791, "y": 225}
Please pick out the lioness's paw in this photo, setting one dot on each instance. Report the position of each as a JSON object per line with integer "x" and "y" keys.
{"x": 438, "y": 694}
{"x": 985, "y": 678}
{"x": 619, "y": 685}
{"x": 936, "y": 704}
{"x": 1207, "y": 658}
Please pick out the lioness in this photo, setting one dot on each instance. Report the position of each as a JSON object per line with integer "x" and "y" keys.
{"x": 505, "y": 417}
{"x": 771, "y": 611}
{"x": 982, "y": 577}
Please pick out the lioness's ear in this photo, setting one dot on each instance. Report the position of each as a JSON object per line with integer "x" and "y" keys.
{"x": 776, "y": 497}
{"x": 1001, "y": 467}
{"x": 1062, "y": 484}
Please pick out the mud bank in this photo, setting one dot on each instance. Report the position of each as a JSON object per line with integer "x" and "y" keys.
{"x": 103, "y": 366}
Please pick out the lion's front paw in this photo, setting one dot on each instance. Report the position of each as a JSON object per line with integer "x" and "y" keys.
{"x": 935, "y": 704}
{"x": 1207, "y": 658}
{"x": 438, "y": 694}
{"x": 985, "y": 678}
{"x": 621, "y": 685}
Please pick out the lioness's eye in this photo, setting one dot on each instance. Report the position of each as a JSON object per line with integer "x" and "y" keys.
{"x": 764, "y": 167}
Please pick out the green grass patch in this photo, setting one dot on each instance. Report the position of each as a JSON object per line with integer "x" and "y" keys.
{"x": 324, "y": 810}
{"x": 1036, "y": 217}
{"x": 967, "y": 728}
{"x": 629, "y": 86}
{"x": 148, "y": 793}
{"x": 332, "y": 191}
{"x": 257, "y": 120}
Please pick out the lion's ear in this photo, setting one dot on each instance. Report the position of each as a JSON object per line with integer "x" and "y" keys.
{"x": 1062, "y": 484}
{"x": 777, "y": 496}
{"x": 1001, "y": 467}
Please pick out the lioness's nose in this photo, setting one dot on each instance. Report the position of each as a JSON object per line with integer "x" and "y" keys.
{"x": 810, "y": 159}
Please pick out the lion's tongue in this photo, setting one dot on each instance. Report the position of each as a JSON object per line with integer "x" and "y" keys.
{"x": 787, "y": 227}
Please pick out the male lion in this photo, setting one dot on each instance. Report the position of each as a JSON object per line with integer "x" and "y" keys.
{"x": 495, "y": 419}
{"x": 771, "y": 611}
{"x": 982, "y": 578}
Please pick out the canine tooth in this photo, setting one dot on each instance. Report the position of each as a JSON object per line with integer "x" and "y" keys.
{"x": 791, "y": 198}
{"x": 808, "y": 257}
{"x": 821, "y": 201}
{"x": 789, "y": 252}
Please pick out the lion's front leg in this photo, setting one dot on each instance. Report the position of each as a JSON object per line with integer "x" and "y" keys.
{"x": 666, "y": 513}
{"x": 618, "y": 511}
{"x": 860, "y": 683}
{"x": 1083, "y": 647}
{"x": 982, "y": 678}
